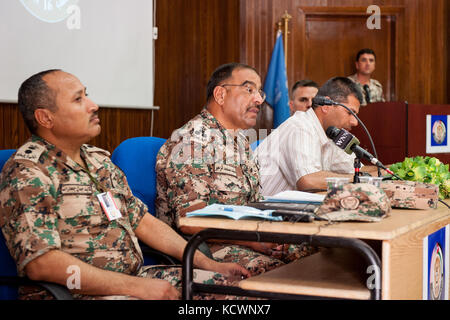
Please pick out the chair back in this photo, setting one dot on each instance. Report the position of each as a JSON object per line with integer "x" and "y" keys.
{"x": 137, "y": 159}
{"x": 255, "y": 144}
{"x": 7, "y": 264}
{"x": 4, "y": 156}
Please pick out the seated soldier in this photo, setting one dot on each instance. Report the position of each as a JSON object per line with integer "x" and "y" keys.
{"x": 208, "y": 160}
{"x": 51, "y": 214}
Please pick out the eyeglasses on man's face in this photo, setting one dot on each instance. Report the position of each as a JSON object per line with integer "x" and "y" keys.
{"x": 251, "y": 89}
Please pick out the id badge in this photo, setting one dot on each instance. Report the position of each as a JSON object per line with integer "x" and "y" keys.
{"x": 109, "y": 206}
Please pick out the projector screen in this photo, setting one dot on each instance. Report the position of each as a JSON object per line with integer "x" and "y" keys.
{"x": 107, "y": 44}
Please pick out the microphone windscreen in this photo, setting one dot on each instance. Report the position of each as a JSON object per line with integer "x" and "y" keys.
{"x": 332, "y": 132}
{"x": 342, "y": 138}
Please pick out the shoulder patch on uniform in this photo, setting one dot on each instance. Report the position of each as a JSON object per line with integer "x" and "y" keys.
{"x": 93, "y": 149}
{"x": 30, "y": 151}
{"x": 225, "y": 169}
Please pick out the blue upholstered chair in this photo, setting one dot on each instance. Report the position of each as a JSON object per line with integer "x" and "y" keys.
{"x": 136, "y": 157}
{"x": 7, "y": 264}
{"x": 255, "y": 144}
{"x": 9, "y": 281}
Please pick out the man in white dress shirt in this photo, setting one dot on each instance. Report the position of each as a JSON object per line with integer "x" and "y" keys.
{"x": 298, "y": 155}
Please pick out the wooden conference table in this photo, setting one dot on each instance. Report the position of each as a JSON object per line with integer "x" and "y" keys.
{"x": 350, "y": 270}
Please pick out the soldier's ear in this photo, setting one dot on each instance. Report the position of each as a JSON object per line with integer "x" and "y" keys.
{"x": 291, "y": 106}
{"x": 44, "y": 118}
{"x": 219, "y": 94}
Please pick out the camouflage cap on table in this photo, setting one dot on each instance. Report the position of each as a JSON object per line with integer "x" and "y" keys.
{"x": 355, "y": 202}
{"x": 411, "y": 194}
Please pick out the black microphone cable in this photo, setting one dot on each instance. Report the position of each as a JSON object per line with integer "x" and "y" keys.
{"x": 325, "y": 101}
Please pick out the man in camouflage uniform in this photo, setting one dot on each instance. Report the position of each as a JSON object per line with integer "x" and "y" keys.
{"x": 209, "y": 160}
{"x": 371, "y": 89}
{"x": 50, "y": 213}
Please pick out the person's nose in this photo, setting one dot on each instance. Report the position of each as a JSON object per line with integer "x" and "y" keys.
{"x": 92, "y": 106}
{"x": 258, "y": 99}
{"x": 353, "y": 121}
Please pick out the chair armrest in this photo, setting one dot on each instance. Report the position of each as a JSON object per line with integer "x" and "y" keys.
{"x": 58, "y": 291}
{"x": 164, "y": 258}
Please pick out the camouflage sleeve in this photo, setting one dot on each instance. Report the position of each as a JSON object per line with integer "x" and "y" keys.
{"x": 136, "y": 209}
{"x": 28, "y": 201}
{"x": 190, "y": 188}
{"x": 188, "y": 177}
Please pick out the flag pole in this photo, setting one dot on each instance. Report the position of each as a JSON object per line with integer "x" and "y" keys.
{"x": 284, "y": 22}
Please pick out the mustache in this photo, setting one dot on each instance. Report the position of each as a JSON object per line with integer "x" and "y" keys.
{"x": 94, "y": 115}
{"x": 258, "y": 106}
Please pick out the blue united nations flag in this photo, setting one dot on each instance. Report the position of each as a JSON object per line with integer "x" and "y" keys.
{"x": 276, "y": 85}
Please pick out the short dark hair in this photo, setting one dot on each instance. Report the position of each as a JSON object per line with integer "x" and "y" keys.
{"x": 222, "y": 73}
{"x": 338, "y": 89}
{"x": 364, "y": 51}
{"x": 35, "y": 94}
{"x": 304, "y": 83}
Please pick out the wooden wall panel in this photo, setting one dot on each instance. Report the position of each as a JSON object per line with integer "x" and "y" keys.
{"x": 418, "y": 69}
{"x": 338, "y": 30}
{"x": 117, "y": 125}
{"x": 195, "y": 37}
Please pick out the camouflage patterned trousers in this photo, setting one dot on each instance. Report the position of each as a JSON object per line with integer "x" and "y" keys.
{"x": 257, "y": 262}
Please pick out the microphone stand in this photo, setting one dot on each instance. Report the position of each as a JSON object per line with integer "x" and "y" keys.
{"x": 373, "y": 147}
{"x": 357, "y": 165}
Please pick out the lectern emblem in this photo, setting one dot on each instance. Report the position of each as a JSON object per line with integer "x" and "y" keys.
{"x": 439, "y": 130}
{"x": 50, "y": 10}
{"x": 437, "y": 273}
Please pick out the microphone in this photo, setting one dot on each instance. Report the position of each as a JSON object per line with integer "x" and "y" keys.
{"x": 342, "y": 138}
{"x": 367, "y": 91}
{"x": 323, "y": 101}
{"x": 350, "y": 144}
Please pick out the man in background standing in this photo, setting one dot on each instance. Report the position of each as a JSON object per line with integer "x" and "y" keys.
{"x": 371, "y": 89}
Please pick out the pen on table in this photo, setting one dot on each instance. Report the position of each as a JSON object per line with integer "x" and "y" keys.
{"x": 230, "y": 209}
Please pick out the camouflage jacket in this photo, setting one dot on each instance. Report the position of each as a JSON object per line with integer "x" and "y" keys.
{"x": 47, "y": 201}
{"x": 375, "y": 90}
{"x": 201, "y": 164}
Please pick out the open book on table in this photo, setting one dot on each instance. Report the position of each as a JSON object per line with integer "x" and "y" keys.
{"x": 233, "y": 212}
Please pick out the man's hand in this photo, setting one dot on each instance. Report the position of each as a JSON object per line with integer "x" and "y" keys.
{"x": 156, "y": 289}
{"x": 263, "y": 247}
{"x": 230, "y": 269}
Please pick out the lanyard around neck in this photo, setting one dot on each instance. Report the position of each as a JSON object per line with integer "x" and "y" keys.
{"x": 94, "y": 181}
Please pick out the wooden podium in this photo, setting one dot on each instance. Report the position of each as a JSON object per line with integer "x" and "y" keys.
{"x": 398, "y": 130}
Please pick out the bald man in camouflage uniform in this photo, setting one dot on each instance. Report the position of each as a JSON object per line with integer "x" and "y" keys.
{"x": 53, "y": 221}
{"x": 209, "y": 160}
